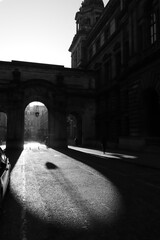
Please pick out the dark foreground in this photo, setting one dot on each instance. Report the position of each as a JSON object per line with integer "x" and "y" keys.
{"x": 78, "y": 195}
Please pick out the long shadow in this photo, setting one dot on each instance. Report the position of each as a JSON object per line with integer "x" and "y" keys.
{"x": 141, "y": 218}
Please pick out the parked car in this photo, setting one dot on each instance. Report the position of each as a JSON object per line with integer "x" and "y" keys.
{"x": 5, "y": 168}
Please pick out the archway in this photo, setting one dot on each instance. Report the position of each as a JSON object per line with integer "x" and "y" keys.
{"x": 3, "y": 129}
{"x": 74, "y": 129}
{"x": 55, "y": 102}
{"x": 36, "y": 122}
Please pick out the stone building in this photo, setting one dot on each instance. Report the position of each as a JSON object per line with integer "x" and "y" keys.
{"x": 63, "y": 91}
{"x": 112, "y": 91}
{"x": 120, "y": 42}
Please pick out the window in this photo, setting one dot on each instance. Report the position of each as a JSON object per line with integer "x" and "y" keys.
{"x": 94, "y": 48}
{"x": 121, "y": 4}
{"x": 152, "y": 13}
{"x": 153, "y": 28}
{"x": 102, "y": 38}
{"x": 112, "y": 26}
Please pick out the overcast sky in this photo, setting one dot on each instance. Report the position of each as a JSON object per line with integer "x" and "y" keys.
{"x": 37, "y": 30}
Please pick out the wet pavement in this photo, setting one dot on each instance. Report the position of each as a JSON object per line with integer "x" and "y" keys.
{"x": 80, "y": 194}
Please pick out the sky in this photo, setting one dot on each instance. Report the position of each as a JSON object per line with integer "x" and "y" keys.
{"x": 38, "y": 30}
{"x": 36, "y": 104}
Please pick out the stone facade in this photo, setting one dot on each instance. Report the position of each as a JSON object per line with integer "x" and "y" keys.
{"x": 122, "y": 48}
{"x": 112, "y": 89}
{"x": 62, "y": 90}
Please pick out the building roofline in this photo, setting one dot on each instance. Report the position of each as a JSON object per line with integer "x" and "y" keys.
{"x": 105, "y": 15}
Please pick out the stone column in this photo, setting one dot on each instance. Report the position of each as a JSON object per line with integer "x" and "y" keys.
{"x": 57, "y": 129}
{"x": 15, "y": 127}
{"x": 57, "y": 133}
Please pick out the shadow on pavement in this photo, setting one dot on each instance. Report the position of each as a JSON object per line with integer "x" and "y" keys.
{"x": 13, "y": 226}
{"x": 140, "y": 221}
{"x": 50, "y": 165}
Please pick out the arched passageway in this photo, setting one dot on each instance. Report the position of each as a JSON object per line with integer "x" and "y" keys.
{"x": 74, "y": 129}
{"x": 53, "y": 100}
{"x": 36, "y": 122}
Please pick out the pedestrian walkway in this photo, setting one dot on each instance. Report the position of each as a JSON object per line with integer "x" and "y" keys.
{"x": 148, "y": 159}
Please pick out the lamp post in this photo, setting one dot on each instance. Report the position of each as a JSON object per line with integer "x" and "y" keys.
{"x": 37, "y": 112}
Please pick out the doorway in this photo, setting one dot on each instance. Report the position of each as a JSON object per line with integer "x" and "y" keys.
{"x": 36, "y": 123}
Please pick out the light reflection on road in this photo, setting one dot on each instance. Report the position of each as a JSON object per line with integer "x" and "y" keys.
{"x": 100, "y": 153}
{"x": 3, "y": 146}
{"x": 34, "y": 145}
{"x": 73, "y": 195}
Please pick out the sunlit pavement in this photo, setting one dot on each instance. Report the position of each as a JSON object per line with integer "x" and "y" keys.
{"x": 77, "y": 195}
{"x": 3, "y": 146}
{"x": 143, "y": 158}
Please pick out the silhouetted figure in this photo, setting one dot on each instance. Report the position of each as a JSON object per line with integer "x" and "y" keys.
{"x": 76, "y": 141}
{"x": 46, "y": 142}
{"x": 103, "y": 142}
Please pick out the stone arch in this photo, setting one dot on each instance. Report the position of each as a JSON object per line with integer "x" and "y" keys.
{"x": 54, "y": 100}
{"x": 36, "y": 122}
{"x": 39, "y": 90}
{"x": 74, "y": 128}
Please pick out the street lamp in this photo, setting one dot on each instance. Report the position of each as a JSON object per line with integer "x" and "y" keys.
{"x": 37, "y": 112}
